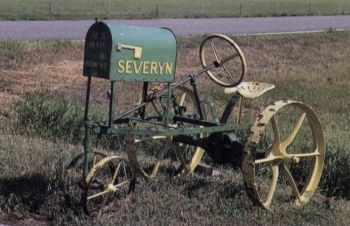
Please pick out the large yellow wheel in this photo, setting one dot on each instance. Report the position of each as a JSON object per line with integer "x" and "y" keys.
{"x": 73, "y": 176}
{"x": 230, "y": 65}
{"x": 110, "y": 179}
{"x": 284, "y": 154}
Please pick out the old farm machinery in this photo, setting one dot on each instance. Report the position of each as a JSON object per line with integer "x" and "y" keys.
{"x": 284, "y": 150}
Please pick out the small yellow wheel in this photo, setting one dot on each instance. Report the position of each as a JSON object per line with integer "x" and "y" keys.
{"x": 230, "y": 65}
{"x": 73, "y": 184}
{"x": 111, "y": 178}
{"x": 284, "y": 154}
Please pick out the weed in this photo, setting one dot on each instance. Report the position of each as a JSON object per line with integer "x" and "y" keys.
{"x": 48, "y": 115}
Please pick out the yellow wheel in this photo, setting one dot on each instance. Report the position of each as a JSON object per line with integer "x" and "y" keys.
{"x": 230, "y": 65}
{"x": 284, "y": 154}
{"x": 110, "y": 179}
{"x": 73, "y": 176}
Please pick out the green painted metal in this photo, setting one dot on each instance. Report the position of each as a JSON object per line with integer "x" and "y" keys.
{"x": 130, "y": 53}
{"x": 167, "y": 132}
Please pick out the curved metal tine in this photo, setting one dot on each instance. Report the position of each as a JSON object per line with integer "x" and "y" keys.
{"x": 289, "y": 140}
{"x": 182, "y": 99}
{"x": 275, "y": 172}
{"x": 291, "y": 181}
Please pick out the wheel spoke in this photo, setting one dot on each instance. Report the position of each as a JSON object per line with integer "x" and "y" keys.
{"x": 98, "y": 194}
{"x": 228, "y": 73}
{"x": 215, "y": 50}
{"x": 275, "y": 172}
{"x": 107, "y": 190}
{"x": 303, "y": 155}
{"x": 233, "y": 56}
{"x": 125, "y": 173}
{"x": 116, "y": 173}
{"x": 295, "y": 131}
{"x": 291, "y": 181}
{"x": 276, "y": 133}
{"x": 104, "y": 181}
{"x": 268, "y": 159}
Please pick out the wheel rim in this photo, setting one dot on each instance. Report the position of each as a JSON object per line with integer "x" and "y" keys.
{"x": 110, "y": 179}
{"x": 288, "y": 164}
{"x": 230, "y": 65}
{"x": 73, "y": 176}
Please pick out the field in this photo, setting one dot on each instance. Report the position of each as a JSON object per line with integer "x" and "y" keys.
{"x": 78, "y": 9}
{"x": 42, "y": 98}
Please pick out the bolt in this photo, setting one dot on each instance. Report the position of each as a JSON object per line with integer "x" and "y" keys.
{"x": 295, "y": 160}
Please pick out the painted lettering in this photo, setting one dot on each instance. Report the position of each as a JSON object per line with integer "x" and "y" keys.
{"x": 154, "y": 67}
{"x": 121, "y": 66}
{"x": 146, "y": 67}
{"x": 138, "y": 67}
{"x": 168, "y": 68}
{"x": 128, "y": 67}
{"x": 161, "y": 67}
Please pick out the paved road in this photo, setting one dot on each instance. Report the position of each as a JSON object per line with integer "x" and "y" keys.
{"x": 29, "y": 30}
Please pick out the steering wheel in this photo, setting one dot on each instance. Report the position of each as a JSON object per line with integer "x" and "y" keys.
{"x": 229, "y": 63}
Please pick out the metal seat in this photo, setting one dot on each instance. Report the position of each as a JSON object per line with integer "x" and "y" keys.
{"x": 250, "y": 90}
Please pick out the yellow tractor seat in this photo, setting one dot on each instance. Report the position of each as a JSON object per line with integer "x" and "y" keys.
{"x": 250, "y": 90}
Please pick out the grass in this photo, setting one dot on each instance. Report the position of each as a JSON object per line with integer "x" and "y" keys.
{"x": 40, "y": 132}
{"x": 78, "y": 9}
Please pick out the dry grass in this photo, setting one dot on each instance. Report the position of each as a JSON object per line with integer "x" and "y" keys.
{"x": 313, "y": 68}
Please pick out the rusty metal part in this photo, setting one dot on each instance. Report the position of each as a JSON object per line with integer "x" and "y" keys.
{"x": 277, "y": 156}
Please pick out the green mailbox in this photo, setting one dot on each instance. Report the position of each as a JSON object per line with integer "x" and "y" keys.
{"x": 129, "y": 53}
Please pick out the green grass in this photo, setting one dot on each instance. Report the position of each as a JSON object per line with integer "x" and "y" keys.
{"x": 42, "y": 132}
{"x": 78, "y": 9}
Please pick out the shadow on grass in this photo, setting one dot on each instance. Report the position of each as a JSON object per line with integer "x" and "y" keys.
{"x": 29, "y": 191}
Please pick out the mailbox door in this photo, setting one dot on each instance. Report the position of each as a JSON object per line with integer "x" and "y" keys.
{"x": 97, "y": 54}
